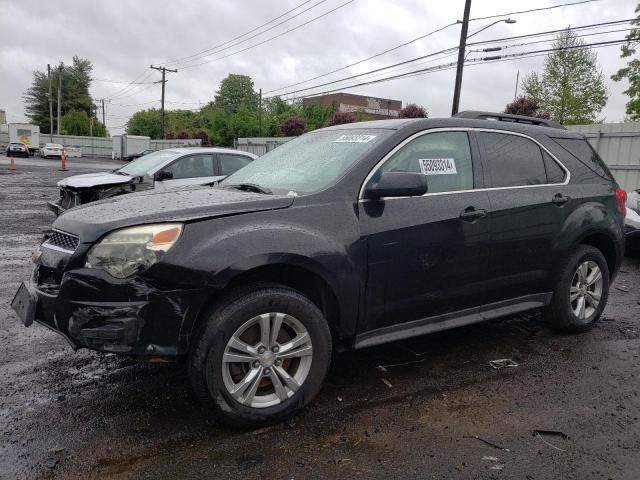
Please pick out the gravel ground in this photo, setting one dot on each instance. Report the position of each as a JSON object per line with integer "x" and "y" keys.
{"x": 405, "y": 410}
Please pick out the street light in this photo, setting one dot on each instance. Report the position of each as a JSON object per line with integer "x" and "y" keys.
{"x": 461, "y": 53}
{"x": 505, "y": 20}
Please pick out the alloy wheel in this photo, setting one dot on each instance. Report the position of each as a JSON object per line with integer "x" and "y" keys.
{"x": 267, "y": 360}
{"x": 586, "y": 290}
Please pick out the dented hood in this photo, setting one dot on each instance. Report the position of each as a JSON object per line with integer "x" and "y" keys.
{"x": 91, "y": 180}
{"x": 93, "y": 220}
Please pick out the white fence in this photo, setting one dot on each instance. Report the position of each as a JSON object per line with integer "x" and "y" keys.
{"x": 619, "y": 146}
{"x": 101, "y": 146}
{"x": 260, "y": 145}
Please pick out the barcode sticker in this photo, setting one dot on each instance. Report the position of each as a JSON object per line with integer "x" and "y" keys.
{"x": 354, "y": 139}
{"x": 438, "y": 166}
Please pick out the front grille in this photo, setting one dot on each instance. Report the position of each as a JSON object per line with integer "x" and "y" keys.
{"x": 62, "y": 240}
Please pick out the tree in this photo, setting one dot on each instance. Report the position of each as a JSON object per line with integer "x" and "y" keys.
{"x": 632, "y": 71}
{"x": 292, "y": 126}
{"x": 413, "y": 111}
{"x": 145, "y": 122}
{"x": 76, "y": 79}
{"x": 528, "y": 106}
{"x": 340, "y": 118}
{"x": 571, "y": 88}
{"x": 76, "y": 122}
{"x": 236, "y": 91}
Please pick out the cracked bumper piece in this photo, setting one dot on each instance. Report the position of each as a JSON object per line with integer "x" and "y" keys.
{"x": 93, "y": 311}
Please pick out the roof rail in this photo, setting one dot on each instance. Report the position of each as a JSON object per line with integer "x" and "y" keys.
{"x": 507, "y": 117}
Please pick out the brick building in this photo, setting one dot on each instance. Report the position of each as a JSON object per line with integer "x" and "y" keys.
{"x": 377, "y": 108}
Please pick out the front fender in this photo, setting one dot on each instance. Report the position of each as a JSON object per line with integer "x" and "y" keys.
{"x": 225, "y": 249}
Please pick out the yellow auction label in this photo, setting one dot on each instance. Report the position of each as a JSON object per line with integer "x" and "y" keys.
{"x": 25, "y": 140}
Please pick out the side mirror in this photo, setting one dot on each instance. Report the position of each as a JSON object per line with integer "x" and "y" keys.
{"x": 397, "y": 184}
{"x": 164, "y": 175}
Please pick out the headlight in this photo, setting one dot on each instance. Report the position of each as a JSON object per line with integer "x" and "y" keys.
{"x": 131, "y": 250}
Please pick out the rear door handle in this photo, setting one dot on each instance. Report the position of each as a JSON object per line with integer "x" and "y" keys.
{"x": 559, "y": 199}
{"x": 470, "y": 214}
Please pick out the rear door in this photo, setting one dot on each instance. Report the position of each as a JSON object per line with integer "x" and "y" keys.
{"x": 527, "y": 193}
{"x": 427, "y": 255}
{"x": 229, "y": 163}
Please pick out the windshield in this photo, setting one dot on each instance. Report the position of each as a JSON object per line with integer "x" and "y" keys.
{"x": 310, "y": 162}
{"x": 141, "y": 166}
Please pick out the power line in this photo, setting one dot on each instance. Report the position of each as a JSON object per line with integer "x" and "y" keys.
{"x": 366, "y": 59}
{"x": 450, "y": 49}
{"x": 218, "y": 48}
{"x": 420, "y": 38}
{"x": 536, "y": 9}
{"x": 272, "y": 38}
{"x": 471, "y": 62}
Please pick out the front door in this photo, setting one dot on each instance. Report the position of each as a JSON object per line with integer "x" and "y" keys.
{"x": 196, "y": 169}
{"x": 427, "y": 255}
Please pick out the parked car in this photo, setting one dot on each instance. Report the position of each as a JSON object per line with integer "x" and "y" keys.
{"x": 632, "y": 222}
{"x": 177, "y": 167}
{"x": 133, "y": 156}
{"x": 17, "y": 149}
{"x": 51, "y": 150}
{"x": 343, "y": 238}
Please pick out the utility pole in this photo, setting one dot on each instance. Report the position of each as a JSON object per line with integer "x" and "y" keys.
{"x": 50, "y": 104}
{"x": 59, "y": 95}
{"x": 461, "y": 52}
{"x": 515, "y": 94}
{"x": 164, "y": 70}
{"x": 260, "y": 113}
{"x": 103, "y": 123}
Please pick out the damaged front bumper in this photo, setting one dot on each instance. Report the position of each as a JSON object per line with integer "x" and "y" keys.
{"x": 56, "y": 208}
{"x": 90, "y": 309}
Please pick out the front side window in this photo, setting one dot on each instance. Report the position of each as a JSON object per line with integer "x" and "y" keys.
{"x": 192, "y": 166}
{"x": 444, "y": 157}
{"x": 512, "y": 161}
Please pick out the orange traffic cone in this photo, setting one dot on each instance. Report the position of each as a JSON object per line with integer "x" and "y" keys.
{"x": 12, "y": 164}
{"x": 63, "y": 161}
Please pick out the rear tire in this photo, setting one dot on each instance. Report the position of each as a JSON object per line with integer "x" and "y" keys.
{"x": 261, "y": 356}
{"x": 581, "y": 291}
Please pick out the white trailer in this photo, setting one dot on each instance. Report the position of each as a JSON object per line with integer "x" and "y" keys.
{"x": 126, "y": 145}
{"x": 27, "y": 134}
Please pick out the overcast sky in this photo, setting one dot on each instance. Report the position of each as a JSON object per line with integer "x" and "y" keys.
{"x": 122, "y": 38}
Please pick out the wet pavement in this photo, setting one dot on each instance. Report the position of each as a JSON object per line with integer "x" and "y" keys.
{"x": 431, "y": 407}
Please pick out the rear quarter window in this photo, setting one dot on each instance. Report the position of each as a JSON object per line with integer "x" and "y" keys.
{"x": 582, "y": 150}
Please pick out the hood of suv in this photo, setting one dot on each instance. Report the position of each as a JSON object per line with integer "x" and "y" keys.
{"x": 92, "y": 180}
{"x": 93, "y": 220}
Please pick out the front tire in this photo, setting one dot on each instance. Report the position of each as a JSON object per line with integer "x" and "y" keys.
{"x": 581, "y": 292}
{"x": 261, "y": 356}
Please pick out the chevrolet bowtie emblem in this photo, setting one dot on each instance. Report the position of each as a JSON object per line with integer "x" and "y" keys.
{"x": 35, "y": 255}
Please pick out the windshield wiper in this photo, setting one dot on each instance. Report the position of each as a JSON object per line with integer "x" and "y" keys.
{"x": 251, "y": 187}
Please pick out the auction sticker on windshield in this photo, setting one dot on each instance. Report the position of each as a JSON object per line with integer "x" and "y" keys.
{"x": 438, "y": 166}
{"x": 354, "y": 139}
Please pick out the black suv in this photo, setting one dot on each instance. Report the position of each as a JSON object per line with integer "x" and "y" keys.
{"x": 346, "y": 237}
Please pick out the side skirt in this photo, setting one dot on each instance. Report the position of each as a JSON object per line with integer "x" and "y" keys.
{"x": 451, "y": 320}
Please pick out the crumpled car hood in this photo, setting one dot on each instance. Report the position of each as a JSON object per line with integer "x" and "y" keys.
{"x": 90, "y": 180}
{"x": 93, "y": 220}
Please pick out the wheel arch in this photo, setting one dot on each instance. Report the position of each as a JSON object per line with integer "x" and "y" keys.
{"x": 294, "y": 271}
{"x": 605, "y": 243}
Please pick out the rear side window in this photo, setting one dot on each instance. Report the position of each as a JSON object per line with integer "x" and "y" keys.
{"x": 583, "y": 151}
{"x": 445, "y": 157}
{"x": 230, "y": 163}
{"x": 512, "y": 161}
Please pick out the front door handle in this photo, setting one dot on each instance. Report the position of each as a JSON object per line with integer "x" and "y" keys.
{"x": 471, "y": 214}
{"x": 559, "y": 199}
